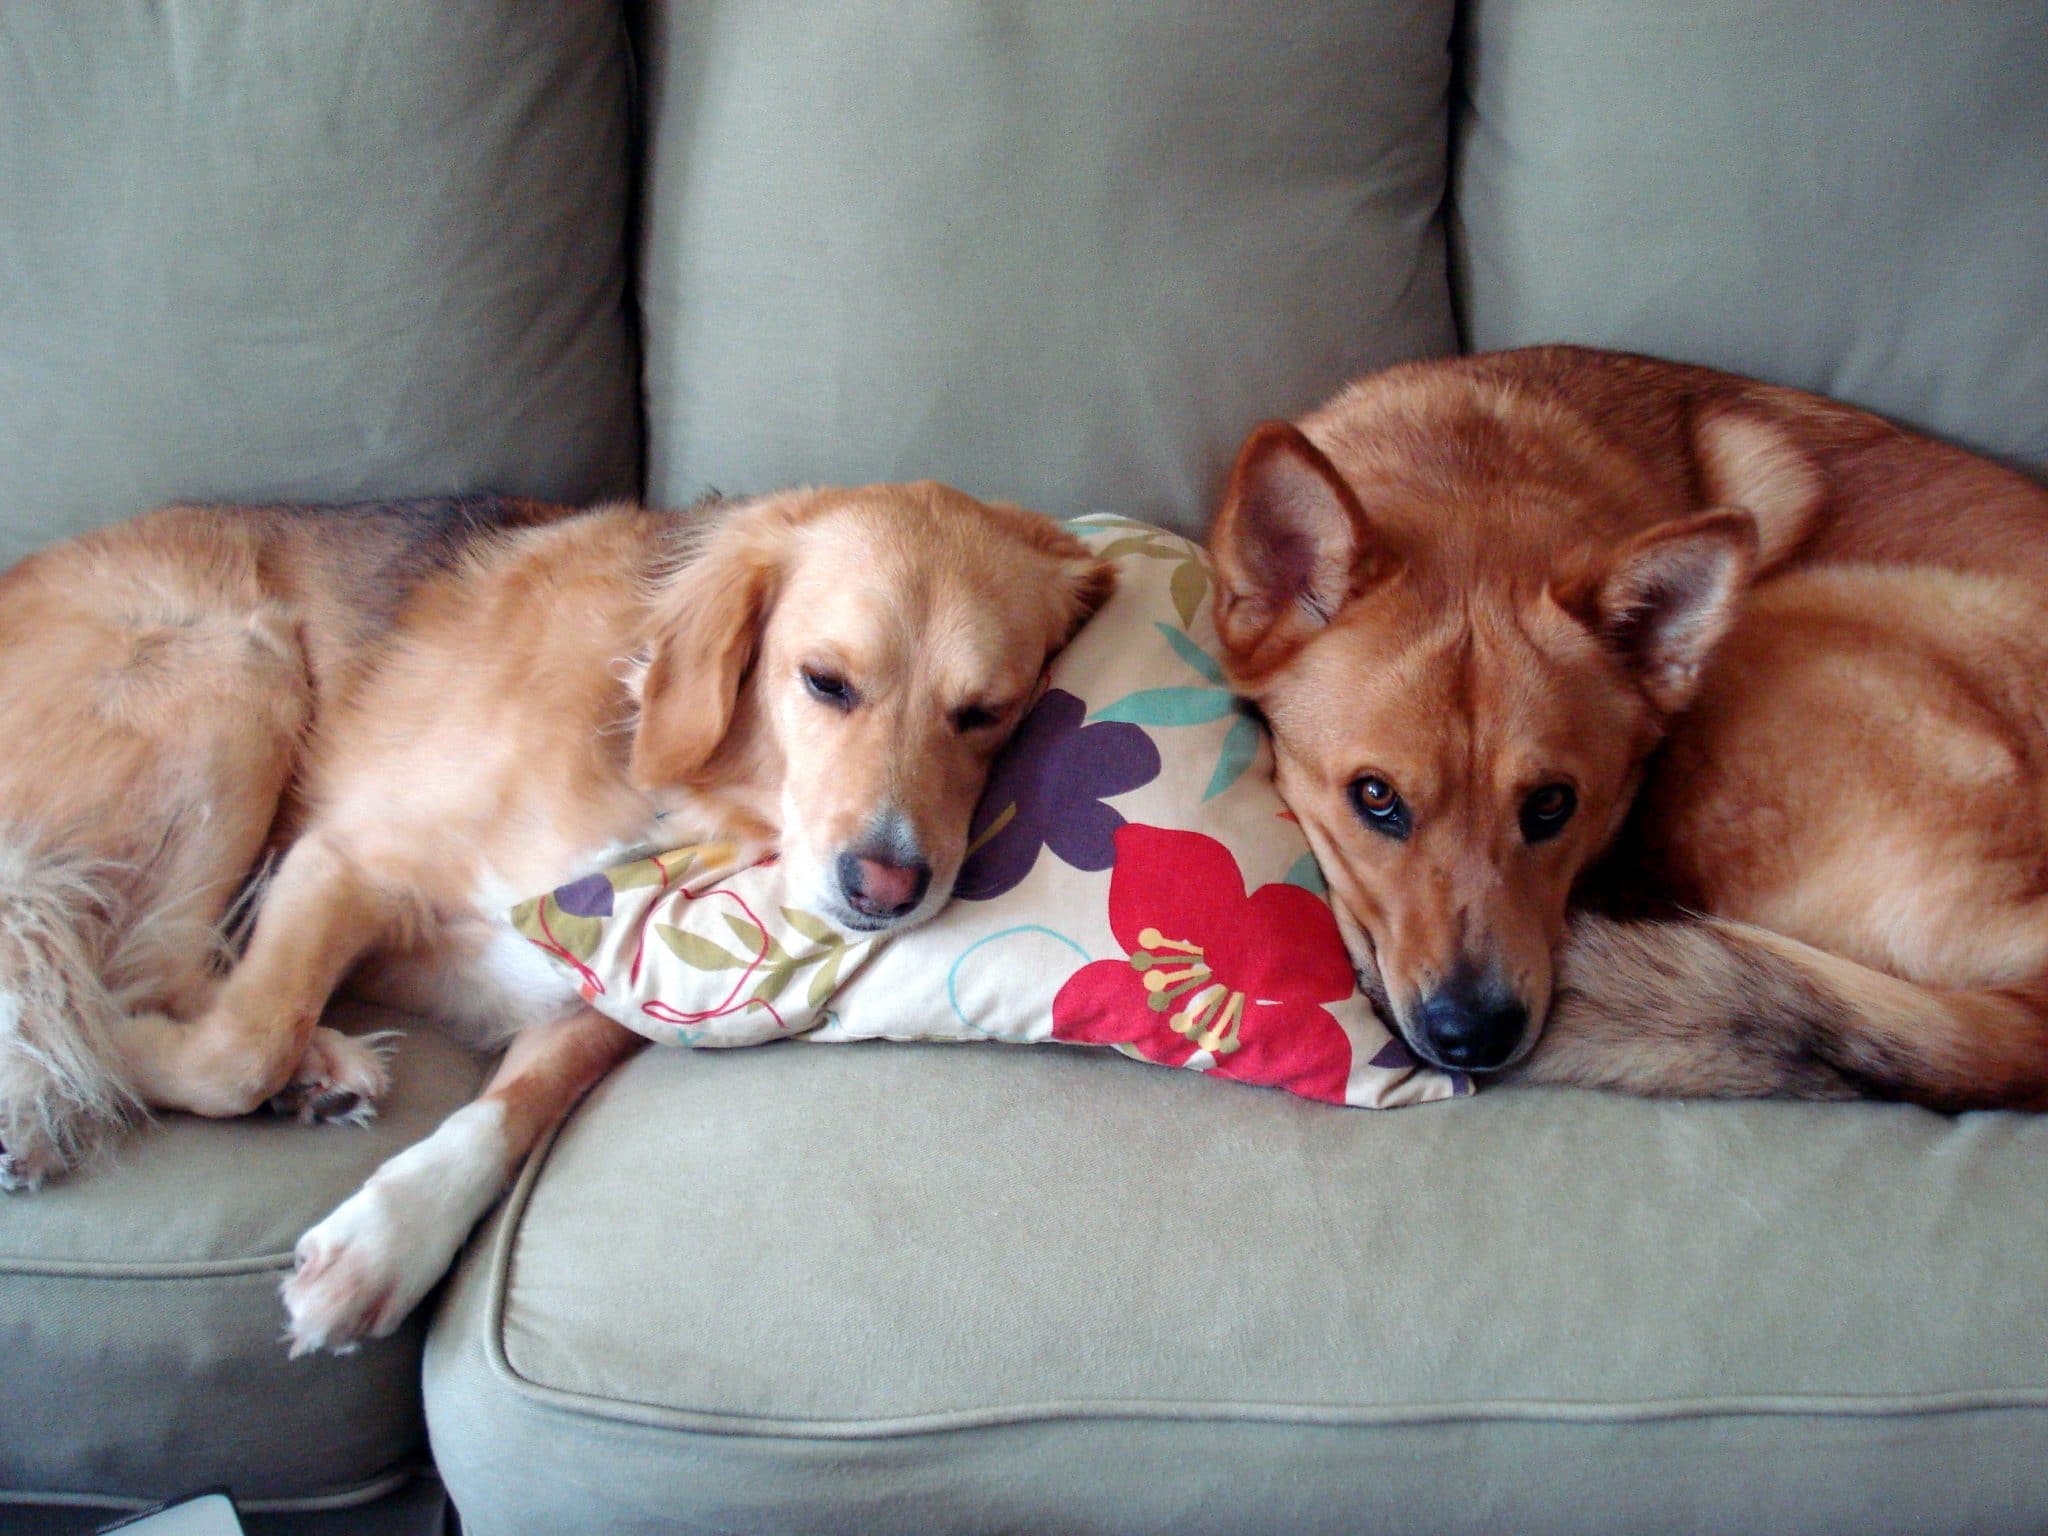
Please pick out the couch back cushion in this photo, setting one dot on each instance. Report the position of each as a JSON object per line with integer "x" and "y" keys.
{"x": 1061, "y": 253}
{"x": 1847, "y": 198}
{"x": 315, "y": 250}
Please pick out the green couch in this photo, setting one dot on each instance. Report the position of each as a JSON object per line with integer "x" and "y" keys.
{"x": 1064, "y": 252}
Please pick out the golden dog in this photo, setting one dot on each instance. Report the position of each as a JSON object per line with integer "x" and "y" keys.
{"x": 425, "y": 713}
{"x": 1763, "y": 675}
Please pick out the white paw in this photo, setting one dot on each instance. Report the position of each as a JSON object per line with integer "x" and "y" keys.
{"x": 339, "y": 1080}
{"x": 359, "y": 1273}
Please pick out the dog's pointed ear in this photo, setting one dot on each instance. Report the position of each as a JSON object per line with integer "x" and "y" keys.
{"x": 1292, "y": 545}
{"x": 706, "y": 626}
{"x": 1664, "y": 599}
{"x": 1756, "y": 465}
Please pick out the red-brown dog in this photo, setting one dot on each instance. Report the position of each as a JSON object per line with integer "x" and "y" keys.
{"x": 1786, "y": 663}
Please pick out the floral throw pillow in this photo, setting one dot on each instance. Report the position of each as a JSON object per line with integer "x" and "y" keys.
{"x": 1132, "y": 880}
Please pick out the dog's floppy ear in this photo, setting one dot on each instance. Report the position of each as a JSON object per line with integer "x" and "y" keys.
{"x": 1292, "y": 545}
{"x": 1664, "y": 599}
{"x": 706, "y": 625}
{"x": 1081, "y": 585}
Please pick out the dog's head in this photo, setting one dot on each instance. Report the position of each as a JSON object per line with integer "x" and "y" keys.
{"x": 1459, "y": 735}
{"x": 833, "y": 670}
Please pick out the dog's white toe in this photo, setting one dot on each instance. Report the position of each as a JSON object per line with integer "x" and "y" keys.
{"x": 357, "y": 1274}
{"x": 360, "y": 1272}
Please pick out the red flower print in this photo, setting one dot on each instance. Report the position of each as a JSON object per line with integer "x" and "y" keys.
{"x": 1209, "y": 968}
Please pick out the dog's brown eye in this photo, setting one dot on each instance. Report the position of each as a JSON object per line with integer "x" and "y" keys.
{"x": 973, "y": 717}
{"x": 1546, "y": 811}
{"x": 1380, "y": 808}
{"x": 830, "y": 688}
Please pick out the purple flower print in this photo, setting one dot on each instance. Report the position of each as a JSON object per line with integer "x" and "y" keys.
{"x": 589, "y": 897}
{"x": 1047, "y": 790}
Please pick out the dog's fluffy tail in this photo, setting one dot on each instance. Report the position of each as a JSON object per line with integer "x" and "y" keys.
{"x": 61, "y": 1084}
{"x": 1708, "y": 1008}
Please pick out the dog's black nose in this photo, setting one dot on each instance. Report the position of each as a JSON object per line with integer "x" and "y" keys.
{"x": 881, "y": 888}
{"x": 1471, "y": 1023}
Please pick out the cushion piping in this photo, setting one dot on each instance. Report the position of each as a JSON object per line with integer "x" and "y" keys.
{"x": 153, "y": 1269}
{"x": 1478, "y": 1410}
{"x": 352, "y": 1497}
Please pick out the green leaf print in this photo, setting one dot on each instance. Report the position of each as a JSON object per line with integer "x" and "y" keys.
{"x": 694, "y": 949}
{"x": 1308, "y": 874}
{"x": 777, "y": 976}
{"x": 1189, "y": 586}
{"x": 826, "y": 978}
{"x": 1169, "y": 706}
{"x": 543, "y": 921}
{"x": 752, "y": 940}
{"x": 1240, "y": 747}
{"x": 812, "y": 926}
{"x": 1137, "y": 544}
{"x": 1192, "y": 653}
{"x": 627, "y": 877}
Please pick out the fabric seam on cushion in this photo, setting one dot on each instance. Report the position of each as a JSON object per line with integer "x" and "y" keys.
{"x": 352, "y": 1497}
{"x": 203, "y": 1269}
{"x": 1480, "y": 1410}
{"x": 164, "y": 1269}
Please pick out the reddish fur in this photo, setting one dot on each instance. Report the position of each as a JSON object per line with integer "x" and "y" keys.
{"x": 1847, "y": 767}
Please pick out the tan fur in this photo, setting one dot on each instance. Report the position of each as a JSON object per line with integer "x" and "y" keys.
{"x": 1792, "y": 660}
{"x": 423, "y": 721}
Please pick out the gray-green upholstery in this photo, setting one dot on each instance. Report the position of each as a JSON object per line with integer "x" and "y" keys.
{"x": 305, "y": 249}
{"x": 1846, "y": 198}
{"x": 141, "y": 1338}
{"x": 1060, "y": 252}
{"x": 973, "y": 1288}
{"x": 309, "y": 250}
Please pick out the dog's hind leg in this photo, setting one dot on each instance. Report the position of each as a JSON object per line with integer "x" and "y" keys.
{"x": 61, "y": 1088}
{"x": 153, "y": 701}
{"x": 262, "y": 1028}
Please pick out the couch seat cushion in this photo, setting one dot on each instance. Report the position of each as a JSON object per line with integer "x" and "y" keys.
{"x": 141, "y": 1338}
{"x": 952, "y": 1288}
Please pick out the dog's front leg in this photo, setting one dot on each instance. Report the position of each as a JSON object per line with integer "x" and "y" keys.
{"x": 362, "y": 1270}
{"x": 260, "y": 1037}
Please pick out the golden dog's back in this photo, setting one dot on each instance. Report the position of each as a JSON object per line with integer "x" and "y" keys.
{"x": 160, "y": 681}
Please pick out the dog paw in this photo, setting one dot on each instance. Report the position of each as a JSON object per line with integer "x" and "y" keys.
{"x": 26, "y": 1161}
{"x": 338, "y": 1081}
{"x": 356, "y": 1276}
{"x": 359, "y": 1273}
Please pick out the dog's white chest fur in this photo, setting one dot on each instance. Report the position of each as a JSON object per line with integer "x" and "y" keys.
{"x": 477, "y": 974}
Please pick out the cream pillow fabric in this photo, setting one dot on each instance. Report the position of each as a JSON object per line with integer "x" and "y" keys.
{"x": 1132, "y": 880}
